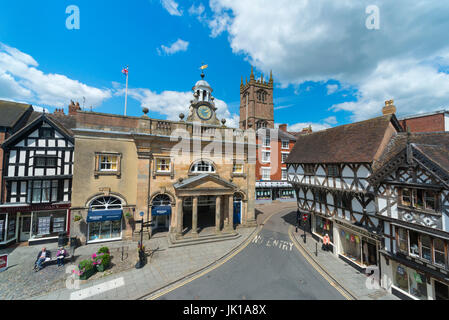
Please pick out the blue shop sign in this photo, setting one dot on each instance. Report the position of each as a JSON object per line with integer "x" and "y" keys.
{"x": 161, "y": 210}
{"x": 104, "y": 215}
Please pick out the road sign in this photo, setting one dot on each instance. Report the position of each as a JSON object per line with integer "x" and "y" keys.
{"x": 3, "y": 262}
{"x": 141, "y": 213}
{"x": 305, "y": 216}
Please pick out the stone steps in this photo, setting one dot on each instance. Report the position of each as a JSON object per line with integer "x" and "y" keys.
{"x": 174, "y": 243}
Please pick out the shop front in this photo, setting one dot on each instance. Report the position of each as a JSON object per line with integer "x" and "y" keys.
{"x": 34, "y": 223}
{"x": 8, "y": 222}
{"x": 104, "y": 225}
{"x": 409, "y": 281}
{"x": 357, "y": 246}
{"x": 267, "y": 191}
{"x": 323, "y": 226}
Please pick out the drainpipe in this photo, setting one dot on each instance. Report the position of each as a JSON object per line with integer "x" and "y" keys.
{"x": 149, "y": 193}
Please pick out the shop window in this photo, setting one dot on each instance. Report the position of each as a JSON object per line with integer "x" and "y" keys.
{"x": 400, "y": 278}
{"x": 426, "y": 248}
{"x": 48, "y": 224}
{"x": 163, "y": 164}
{"x": 419, "y": 199}
{"x": 414, "y": 243}
{"x": 418, "y": 284}
{"x": 2, "y": 227}
{"x": 438, "y": 250}
{"x": 11, "y": 231}
{"x": 309, "y": 169}
{"x": 203, "y": 166}
{"x": 351, "y": 246}
{"x": 323, "y": 227}
{"x": 263, "y": 194}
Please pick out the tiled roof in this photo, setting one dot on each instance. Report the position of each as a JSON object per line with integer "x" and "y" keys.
{"x": 11, "y": 112}
{"x": 352, "y": 143}
{"x": 281, "y": 134}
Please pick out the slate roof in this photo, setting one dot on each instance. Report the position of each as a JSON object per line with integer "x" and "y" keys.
{"x": 352, "y": 143}
{"x": 11, "y": 112}
{"x": 281, "y": 134}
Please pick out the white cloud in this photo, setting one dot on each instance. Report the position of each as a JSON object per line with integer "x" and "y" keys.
{"x": 326, "y": 40}
{"x": 197, "y": 11}
{"x": 297, "y": 127}
{"x": 172, "y": 7}
{"x": 21, "y": 80}
{"x": 331, "y": 120}
{"x": 332, "y": 88}
{"x": 177, "y": 46}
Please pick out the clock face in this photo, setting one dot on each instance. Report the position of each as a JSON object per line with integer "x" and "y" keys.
{"x": 204, "y": 112}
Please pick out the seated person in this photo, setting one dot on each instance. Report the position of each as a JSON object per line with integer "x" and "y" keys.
{"x": 62, "y": 253}
{"x": 42, "y": 256}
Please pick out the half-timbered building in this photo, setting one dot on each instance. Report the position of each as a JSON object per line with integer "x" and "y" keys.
{"x": 38, "y": 175}
{"x": 329, "y": 170}
{"x": 411, "y": 181}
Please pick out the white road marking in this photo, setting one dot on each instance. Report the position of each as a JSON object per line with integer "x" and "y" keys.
{"x": 275, "y": 243}
{"x": 94, "y": 290}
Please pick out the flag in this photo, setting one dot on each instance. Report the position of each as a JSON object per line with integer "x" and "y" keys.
{"x": 204, "y": 66}
{"x": 125, "y": 71}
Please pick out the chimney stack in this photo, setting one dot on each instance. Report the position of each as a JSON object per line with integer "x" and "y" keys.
{"x": 59, "y": 111}
{"x": 283, "y": 127}
{"x": 73, "y": 108}
{"x": 389, "y": 107}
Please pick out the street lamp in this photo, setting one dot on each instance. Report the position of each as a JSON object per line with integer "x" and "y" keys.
{"x": 140, "y": 246}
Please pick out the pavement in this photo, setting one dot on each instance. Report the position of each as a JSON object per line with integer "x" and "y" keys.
{"x": 357, "y": 285}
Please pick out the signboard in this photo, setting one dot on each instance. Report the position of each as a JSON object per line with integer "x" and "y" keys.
{"x": 3, "y": 262}
{"x": 160, "y": 210}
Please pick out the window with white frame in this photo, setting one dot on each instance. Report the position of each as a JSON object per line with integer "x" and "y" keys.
{"x": 284, "y": 174}
{"x": 108, "y": 163}
{"x": 266, "y": 141}
{"x": 237, "y": 168}
{"x": 163, "y": 164}
{"x": 266, "y": 156}
{"x": 203, "y": 166}
{"x": 285, "y": 144}
{"x": 284, "y": 157}
{"x": 266, "y": 173}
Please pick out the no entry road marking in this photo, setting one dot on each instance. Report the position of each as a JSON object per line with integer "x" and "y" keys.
{"x": 272, "y": 242}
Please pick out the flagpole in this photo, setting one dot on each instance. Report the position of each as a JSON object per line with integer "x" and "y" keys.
{"x": 126, "y": 91}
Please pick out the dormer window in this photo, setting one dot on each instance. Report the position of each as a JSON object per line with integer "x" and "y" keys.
{"x": 203, "y": 167}
{"x": 333, "y": 170}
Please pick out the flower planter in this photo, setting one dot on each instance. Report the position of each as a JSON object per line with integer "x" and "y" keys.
{"x": 100, "y": 267}
{"x": 87, "y": 274}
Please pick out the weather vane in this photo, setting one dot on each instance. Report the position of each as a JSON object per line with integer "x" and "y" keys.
{"x": 203, "y": 66}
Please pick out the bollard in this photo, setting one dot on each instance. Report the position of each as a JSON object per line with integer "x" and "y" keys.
{"x": 316, "y": 249}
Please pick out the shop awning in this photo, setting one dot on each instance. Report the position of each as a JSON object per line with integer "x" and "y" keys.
{"x": 104, "y": 215}
{"x": 160, "y": 210}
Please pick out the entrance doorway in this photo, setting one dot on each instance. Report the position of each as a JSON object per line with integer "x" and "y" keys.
{"x": 369, "y": 253}
{"x": 237, "y": 208}
{"x": 25, "y": 228}
{"x": 206, "y": 213}
{"x": 161, "y": 211}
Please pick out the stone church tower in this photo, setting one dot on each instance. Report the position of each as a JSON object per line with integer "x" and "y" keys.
{"x": 256, "y": 103}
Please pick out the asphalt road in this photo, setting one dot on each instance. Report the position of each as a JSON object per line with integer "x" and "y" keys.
{"x": 269, "y": 268}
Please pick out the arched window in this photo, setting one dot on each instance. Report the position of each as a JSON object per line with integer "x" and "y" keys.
{"x": 203, "y": 166}
{"x": 106, "y": 203}
{"x": 161, "y": 200}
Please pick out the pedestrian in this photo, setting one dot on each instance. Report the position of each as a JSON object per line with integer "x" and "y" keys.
{"x": 326, "y": 242}
{"x": 62, "y": 253}
{"x": 42, "y": 256}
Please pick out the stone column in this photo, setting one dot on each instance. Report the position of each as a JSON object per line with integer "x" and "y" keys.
{"x": 195, "y": 216}
{"x": 217, "y": 213}
{"x": 179, "y": 214}
{"x": 231, "y": 213}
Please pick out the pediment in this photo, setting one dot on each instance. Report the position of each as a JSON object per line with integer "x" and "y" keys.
{"x": 205, "y": 182}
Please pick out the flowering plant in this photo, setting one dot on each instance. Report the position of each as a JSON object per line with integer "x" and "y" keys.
{"x": 84, "y": 266}
{"x": 97, "y": 258}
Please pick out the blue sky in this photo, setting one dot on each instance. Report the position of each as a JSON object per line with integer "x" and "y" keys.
{"x": 328, "y": 67}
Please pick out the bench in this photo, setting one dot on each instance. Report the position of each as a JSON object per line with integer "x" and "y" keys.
{"x": 53, "y": 258}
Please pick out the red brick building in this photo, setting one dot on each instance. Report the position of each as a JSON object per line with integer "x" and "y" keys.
{"x": 437, "y": 121}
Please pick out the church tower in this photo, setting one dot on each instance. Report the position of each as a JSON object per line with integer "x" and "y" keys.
{"x": 256, "y": 103}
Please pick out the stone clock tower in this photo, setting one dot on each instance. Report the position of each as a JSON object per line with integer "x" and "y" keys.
{"x": 202, "y": 108}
